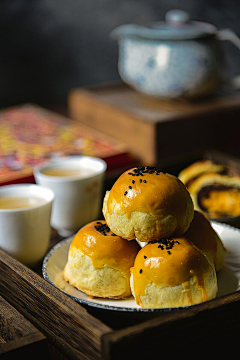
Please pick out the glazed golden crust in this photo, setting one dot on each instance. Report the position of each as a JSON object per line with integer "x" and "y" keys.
{"x": 105, "y": 248}
{"x": 172, "y": 273}
{"x": 99, "y": 262}
{"x": 202, "y": 234}
{"x": 147, "y": 206}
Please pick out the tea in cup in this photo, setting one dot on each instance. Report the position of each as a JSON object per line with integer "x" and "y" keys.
{"x": 20, "y": 202}
{"x": 77, "y": 183}
{"x": 25, "y": 212}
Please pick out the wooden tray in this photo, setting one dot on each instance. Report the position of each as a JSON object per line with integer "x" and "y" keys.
{"x": 32, "y": 310}
{"x": 17, "y": 334}
{"x": 156, "y": 130}
{"x": 79, "y": 334}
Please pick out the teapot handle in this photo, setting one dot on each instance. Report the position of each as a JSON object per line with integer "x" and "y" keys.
{"x": 229, "y": 35}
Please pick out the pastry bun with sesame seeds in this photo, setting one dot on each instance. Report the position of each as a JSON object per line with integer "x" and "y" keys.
{"x": 172, "y": 273}
{"x": 202, "y": 234}
{"x": 147, "y": 204}
{"x": 99, "y": 262}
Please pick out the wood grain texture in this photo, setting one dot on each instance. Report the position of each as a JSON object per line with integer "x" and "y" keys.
{"x": 74, "y": 332}
{"x": 213, "y": 326}
{"x": 15, "y": 330}
{"x": 67, "y": 325}
{"x": 110, "y": 119}
{"x": 23, "y": 345}
{"x": 159, "y": 131}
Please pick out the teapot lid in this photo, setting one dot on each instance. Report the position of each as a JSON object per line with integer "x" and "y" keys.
{"x": 176, "y": 26}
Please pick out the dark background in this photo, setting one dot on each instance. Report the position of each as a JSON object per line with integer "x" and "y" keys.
{"x": 48, "y": 47}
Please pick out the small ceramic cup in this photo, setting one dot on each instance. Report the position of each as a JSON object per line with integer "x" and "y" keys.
{"x": 25, "y": 212}
{"x": 77, "y": 183}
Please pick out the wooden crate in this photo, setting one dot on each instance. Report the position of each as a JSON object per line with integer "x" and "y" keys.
{"x": 17, "y": 334}
{"x": 79, "y": 334}
{"x": 33, "y": 311}
{"x": 158, "y": 130}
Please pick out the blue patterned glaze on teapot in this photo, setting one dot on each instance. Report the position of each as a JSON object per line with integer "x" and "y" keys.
{"x": 173, "y": 59}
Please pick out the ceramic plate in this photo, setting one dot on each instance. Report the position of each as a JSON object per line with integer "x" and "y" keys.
{"x": 228, "y": 276}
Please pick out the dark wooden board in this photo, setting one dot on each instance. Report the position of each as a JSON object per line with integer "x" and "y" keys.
{"x": 203, "y": 330}
{"x": 77, "y": 334}
{"x": 65, "y": 323}
{"x": 159, "y": 131}
{"x": 15, "y": 330}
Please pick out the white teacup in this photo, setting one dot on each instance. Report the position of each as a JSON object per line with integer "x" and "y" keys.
{"x": 77, "y": 182}
{"x": 25, "y": 212}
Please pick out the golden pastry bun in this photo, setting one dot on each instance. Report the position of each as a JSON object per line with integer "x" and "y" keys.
{"x": 202, "y": 234}
{"x": 99, "y": 262}
{"x": 198, "y": 168}
{"x": 216, "y": 195}
{"x": 147, "y": 204}
{"x": 172, "y": 273}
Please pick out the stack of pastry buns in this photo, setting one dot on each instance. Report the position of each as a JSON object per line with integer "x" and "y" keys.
{"x": 179, "y": 255}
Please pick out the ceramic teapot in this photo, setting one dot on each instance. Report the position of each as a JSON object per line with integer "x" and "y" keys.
{"x": 174, "y": 59}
